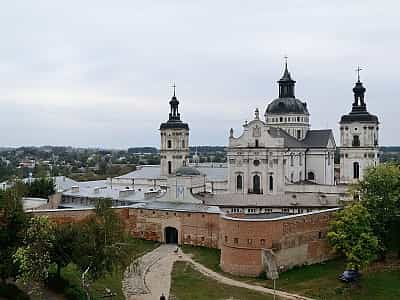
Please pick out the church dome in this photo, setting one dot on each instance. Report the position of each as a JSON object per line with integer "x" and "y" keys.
{"x": 287, "y": 106}
{"x": 187, "y": 171}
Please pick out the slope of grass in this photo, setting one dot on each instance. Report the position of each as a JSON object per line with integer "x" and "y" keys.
{"x": 70, "y": 283}
{"x": 186, "y": 283}
{"x": 319, "y": 281}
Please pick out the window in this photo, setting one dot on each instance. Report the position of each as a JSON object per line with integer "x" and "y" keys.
{"x": 249, "y": 241}
{"x": 239, "y": 182}
{"x": 356, "y": 141}
{"x": 256, "y": 162}
{"x": 298, "y": 134}
{"x": 356, "y": 170}
{"x": 257, "y": 144}
{"x": 311, "y": 176}
{"x": 169, "y": 167}
{"x": 183, "y": 144}
{"x": 169, "y": 144}
{"x": 280, "y": 119}
{"x": 262, "y": 242}
{"x": 271, "y": 183}
{"x": 235, "y": 240}
{"x": 226, "y": 239}
{"x": 291, "y": 177}
{"x": 300, "y": 176}
{"x": 291, "y": 160}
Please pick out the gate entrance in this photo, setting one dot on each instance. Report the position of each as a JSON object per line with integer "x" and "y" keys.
{"x": 171, "y": 235}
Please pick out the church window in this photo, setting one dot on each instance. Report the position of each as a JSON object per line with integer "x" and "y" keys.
{"x": 257, "y": 144}
{"x": 356, "y": 170}
{"x": 298, "y": 133}
{"x": 280, "y": 119}
{"x": 169, "y": 143}
{"x": 169, "y": 167}
{"x": 239, "y": 182}
{"x": 311, "y": 176}
{"x": 298, "y": 119}
{"x": 262, "y": 242}
{"x": 257, "y": 184}
{"x": 271, "y": 183}
{"x": 235, "y": 240}
{"x": 291, "y": 177}
{"x": 356, "y": 141}
{"x": 183, "y": 144}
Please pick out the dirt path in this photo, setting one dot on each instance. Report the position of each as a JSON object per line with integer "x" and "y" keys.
{"x": 152, "y": 276}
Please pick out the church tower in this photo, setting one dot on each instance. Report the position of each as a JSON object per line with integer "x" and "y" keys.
{"x": 359, "y": 147}
{"x": 174, "y": 147}
{"x": 287, "y": 112}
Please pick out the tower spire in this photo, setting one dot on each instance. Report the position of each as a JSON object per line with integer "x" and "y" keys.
{"x": 286, "y": 83}
{"x": 358, "y": 73}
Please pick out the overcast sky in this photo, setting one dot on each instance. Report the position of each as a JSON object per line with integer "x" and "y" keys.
{"x": 99, "y": 73}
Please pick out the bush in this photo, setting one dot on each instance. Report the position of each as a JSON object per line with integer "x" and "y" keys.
{"x": 12, "y": 292}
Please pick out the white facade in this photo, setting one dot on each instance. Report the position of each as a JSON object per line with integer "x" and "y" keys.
{"x": 359, "y": 139}
{"x": 174, "y": 150}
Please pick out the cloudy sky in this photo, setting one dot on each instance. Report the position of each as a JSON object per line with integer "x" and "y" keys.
{"x": 98, "y": 73}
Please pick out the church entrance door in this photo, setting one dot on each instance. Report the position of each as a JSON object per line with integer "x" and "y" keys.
{"x": 256, "y": 184}
{"x": 171, "y": 235}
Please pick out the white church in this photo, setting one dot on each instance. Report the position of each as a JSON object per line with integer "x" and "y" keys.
{"x": 277, "y": 164}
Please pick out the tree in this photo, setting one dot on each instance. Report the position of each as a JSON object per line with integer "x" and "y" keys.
{"x": 13, "y": 223}
{"x": 34, "y": 256}
{"x": 380, "y": 194}
{"x": 351, "y": 234}
{"x": 65, "y": 242}
{"x": 41, "y": 188}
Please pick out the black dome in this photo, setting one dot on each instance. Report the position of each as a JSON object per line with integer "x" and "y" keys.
{"x": 287, "y": 106}
{"x": 187, "y": 171}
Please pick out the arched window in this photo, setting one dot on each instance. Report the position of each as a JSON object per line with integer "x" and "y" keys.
{"x": 298, "y": 134}
{"x": 239, "y": 182}
{"x": 257, "y": 144}
{"x": 311, "y": 176}
{"x": 257, "y": 184}
{"x": 169, "y": 167}
{"x": 356, "y": 141}
{"x": 291, "y": 177}
{"x": 356, "y": 170}
{"x": 183, "y": 144}
{"x": 169, "y": 143}
{"x": 271, "y": 183}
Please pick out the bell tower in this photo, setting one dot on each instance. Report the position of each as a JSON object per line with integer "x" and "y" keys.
{"x": 174, "y": 146}
{"x": 359, "y": 143}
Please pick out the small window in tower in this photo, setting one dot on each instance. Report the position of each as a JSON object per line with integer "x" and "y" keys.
{"x": 183, "y": 144}
{"x": 169, "y": 143}
{"x": 280, "y": 119}
{"x": 298, "y": 134}
{"x": 356, "y": 170}
{"x": 256, "y": 142}
{"x": 298, "y": 119}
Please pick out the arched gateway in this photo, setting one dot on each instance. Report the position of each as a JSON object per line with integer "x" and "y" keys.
{"x": 171, "y": 235}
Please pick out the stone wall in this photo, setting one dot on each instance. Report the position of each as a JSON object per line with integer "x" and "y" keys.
{"x": 294, "y": 240}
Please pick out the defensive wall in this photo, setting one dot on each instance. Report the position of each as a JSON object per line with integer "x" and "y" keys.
{"x": 249, "y": 246}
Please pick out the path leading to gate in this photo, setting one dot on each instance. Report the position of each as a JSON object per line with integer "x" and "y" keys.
{"x": 151, "y": 277}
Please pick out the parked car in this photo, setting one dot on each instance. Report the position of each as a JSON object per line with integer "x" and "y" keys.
{"x": 350, "y": 276}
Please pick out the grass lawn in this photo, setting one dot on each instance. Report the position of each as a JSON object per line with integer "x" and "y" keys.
{"x": 71, "y": 276}
{"x": 188, "y": 283}
{"x": 317, "y": 281}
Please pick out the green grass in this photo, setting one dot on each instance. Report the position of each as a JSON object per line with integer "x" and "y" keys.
{"x": 70, "y": 283}
{"x": 318, "y": 281}
{"x": 189, "y": 284}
